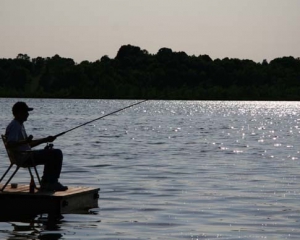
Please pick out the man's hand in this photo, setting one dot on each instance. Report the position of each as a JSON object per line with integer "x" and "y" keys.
{"x": 40, "y": 141}
{"x": 50, "y": 139}
{"x": 29, "y": 138}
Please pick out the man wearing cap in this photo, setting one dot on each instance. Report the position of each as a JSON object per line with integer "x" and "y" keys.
{"x": 18, "y": 141}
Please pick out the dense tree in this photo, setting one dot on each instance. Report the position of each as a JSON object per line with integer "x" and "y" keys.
{"x": 134, "y": 73}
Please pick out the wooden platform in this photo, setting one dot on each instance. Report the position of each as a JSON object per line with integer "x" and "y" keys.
{"x": 19, "y": 202}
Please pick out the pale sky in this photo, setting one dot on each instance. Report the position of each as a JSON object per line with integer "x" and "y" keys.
{"x": 90, "y": 29}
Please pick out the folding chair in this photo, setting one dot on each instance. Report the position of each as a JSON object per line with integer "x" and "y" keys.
{"x": 13, "y": 161}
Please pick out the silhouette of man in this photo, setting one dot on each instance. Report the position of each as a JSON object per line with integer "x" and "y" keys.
{"x": 18, "y": 142}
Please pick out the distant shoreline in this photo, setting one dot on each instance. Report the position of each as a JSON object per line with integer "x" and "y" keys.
{"x": 136, "y": 74}
{"x": 127, "y": 99}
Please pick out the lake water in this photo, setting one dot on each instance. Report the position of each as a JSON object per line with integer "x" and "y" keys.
{"x": 172, "y": 169}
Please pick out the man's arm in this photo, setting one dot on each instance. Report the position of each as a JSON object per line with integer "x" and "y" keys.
{"x": 14, "y": 144}
{"x": 30, "y": 142}
{"x": 36, "y": 142}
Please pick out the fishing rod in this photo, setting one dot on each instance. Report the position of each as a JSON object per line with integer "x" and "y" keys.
{"x": 62, "y": 133}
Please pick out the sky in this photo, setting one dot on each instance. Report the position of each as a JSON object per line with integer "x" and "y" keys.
{"x": 90, "y": 29}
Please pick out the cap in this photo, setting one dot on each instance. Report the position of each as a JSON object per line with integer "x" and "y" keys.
{"x": 20, "y": 106}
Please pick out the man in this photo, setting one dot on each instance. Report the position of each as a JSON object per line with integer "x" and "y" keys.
{"x": 18, "y": 142}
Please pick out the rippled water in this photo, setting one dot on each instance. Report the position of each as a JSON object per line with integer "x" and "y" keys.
{"x": 172, "y": 169}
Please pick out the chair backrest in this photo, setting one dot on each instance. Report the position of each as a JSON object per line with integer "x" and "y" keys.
{"x": 10, "y": 154}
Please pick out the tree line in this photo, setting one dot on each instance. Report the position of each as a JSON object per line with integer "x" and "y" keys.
{"x": 136, "y": 74}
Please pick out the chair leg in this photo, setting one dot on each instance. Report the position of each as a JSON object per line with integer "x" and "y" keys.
{"x": 37, "y": 174}
{"x": 3, "y": 176}
{"x": 10, "y": 179}
{"x": 31, "y": 175}
{"x": 30, "y": 172}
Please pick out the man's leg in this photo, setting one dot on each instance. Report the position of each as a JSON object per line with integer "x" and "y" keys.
{"x": 52, "y": 161}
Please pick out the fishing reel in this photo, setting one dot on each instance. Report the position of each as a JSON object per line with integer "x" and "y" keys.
{"x": 49, "y": 146}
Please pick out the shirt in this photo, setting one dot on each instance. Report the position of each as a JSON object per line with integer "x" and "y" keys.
{"x": 16, "y": 132}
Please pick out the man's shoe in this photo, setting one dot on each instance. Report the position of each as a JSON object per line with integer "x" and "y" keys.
{"x": 58, "y": 187}
{"x": 52, "y": 187}
{"x": 46, "y": 187}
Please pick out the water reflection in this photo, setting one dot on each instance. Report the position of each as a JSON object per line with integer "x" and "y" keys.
{"x": 33, "y": 229}
{"x": 40, "y": 227}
